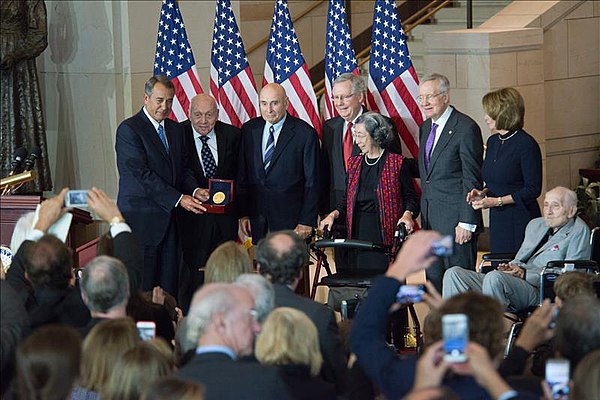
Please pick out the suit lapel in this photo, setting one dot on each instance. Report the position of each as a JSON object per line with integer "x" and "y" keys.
{"x": 557, "y": 238}
{"x": 153, "y": 136}
{"x": 221, "y": 145}
{"x": 173, "y": 146}
{"x": 443, "y": 141}
{"x": 337, "y": 151}
{"x": 258, "y": 157}
{"x": 286, "y": 134}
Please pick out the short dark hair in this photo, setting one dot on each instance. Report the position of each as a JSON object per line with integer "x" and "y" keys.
{"x": 575, "y": 283}
{"x": 505, "y": 106}
{"x": 105, "y": 284}
{"x": 485, "y": 320}
{"x": 380, "y": 128}
{"x": 150, "y": 83}
{"x": 281, "y": 266}
{"x": 578, "y": 328}
{"x": 49, "y": 262}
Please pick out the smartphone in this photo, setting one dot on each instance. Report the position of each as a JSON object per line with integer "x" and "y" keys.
{"x": 146, "y": 329}
{"x": 410, "y": 294}
{"x": 552, "y": 323}
{"x": 557, "y": 376}
{"x": 443, "y": 247}
{"x": 455, "y": 331}
{"x": 76, "y": 199}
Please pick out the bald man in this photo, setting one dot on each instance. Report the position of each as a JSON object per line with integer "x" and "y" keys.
{"x": 206, "y": 137}
{"x": 278, "y": 174}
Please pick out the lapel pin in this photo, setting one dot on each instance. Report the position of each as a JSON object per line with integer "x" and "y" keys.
{"x": 449, "y": 132}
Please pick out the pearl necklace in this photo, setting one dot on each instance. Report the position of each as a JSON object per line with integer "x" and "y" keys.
{"x": 506, "y": 138}
{"x": 376, "y": 161}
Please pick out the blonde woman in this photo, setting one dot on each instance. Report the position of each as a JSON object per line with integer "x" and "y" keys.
{"x": 290, "y": 341}
{"x": 227, "y": 262}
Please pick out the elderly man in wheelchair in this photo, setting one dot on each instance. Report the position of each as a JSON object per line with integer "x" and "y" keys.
{"x": 558, "y": 235}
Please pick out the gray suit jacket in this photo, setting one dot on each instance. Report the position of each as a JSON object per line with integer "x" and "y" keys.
{"x": 454, "y": 169}
{"x": 571, "y": 242}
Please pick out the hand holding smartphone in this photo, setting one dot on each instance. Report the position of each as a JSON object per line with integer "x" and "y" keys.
{"x": 557, "y": 377}
{"x": 410, "y": 294}
{"x": 455, "y": 331}
{"x": 76, "y": 199}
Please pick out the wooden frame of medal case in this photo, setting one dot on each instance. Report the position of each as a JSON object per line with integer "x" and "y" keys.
{"x": 216, "y": 208}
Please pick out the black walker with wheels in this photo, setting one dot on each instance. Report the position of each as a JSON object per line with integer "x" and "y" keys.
{"x": 355, "y": 276}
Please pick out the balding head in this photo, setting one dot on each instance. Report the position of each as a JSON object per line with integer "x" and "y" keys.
{"x": 203, "y": 113}
{"x": 273, "y": 103}
{"x": 281, "y": 256}
{"x": 223, "y": 314}
{"x": 560, "y": 206}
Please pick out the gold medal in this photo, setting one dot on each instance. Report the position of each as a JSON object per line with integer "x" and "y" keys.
{"x": 218, "y": 197}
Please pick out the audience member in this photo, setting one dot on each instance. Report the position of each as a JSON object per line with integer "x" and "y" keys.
{"x": 227, "y": 262}
{"x": 281, "y": 257}
{"x": 105, "y": 290}
{"x": 578, "y": 329}
{"x": 586, "y": 379}
{"x": 185, "y": 343}
{"x": 106, "y": 343}
{"x": 394, "y": 374}
{"x": 263, "y": 292}
{"x": 48, "y": 363}
{"x": 137, "y": 368}
{"x": 290, "y": 341}
{"x": 559, "y": 235}
{"x": 173, "y": 389}
{"x": 222, "y": 318}
{"x": 450, "y": 159}
{"x": 573, "y": 284}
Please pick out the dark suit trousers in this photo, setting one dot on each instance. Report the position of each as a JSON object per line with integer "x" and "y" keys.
{"x": 161, "y": 263}
{"x": 465, "y": 256}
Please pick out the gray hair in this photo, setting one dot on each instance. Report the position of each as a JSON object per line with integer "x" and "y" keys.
{"x": 105, "y": 284}
{"x": 184, "y": 338}
{"x": 442, "y": 80}
{"x": 378, "y": 127}
{"x": 358, "y": 82}
{"x": 212, "y": 298}
{"x": 150, "y": 83}
{"x": 262, "y": 291}
{"x": 569, "y": 197}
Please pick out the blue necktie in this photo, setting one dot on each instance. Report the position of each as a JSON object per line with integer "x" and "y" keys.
{"x": 270, "y": 148}
{"x": 163, "y": 138}
{"x": 208, "y": 161}
{"x": 429, "y": 145}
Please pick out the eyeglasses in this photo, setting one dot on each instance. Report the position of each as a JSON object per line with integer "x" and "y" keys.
{"x": 342, "y": 98}
{"x": 428, "y": 97}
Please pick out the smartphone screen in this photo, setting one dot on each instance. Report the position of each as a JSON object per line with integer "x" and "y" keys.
{"x": 443, "y": 247}
{"x": 557, "y": 376}
{"x": 76, "y": 198}
{"x": 410, "y": 294}
{"x": 455, "y": 330}
{"x": 146, "y": 330}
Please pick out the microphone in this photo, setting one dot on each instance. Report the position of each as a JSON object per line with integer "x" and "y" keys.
{"x": 36, "y": 152}
{"x": 20, "y": 155}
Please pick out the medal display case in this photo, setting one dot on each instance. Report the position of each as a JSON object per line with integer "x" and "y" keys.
{"x": 220, "y": 196}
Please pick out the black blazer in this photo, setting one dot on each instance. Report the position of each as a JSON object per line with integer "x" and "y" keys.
{"x": 151, "y": 181}
{"x": 334, "y": 360}
{"x": 224, "y": 378}
{"x": 288, "y": 193}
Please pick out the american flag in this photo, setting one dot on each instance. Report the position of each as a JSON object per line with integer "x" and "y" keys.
{"x": 393, "y": 83}
{"x": 174, "y": 59}
{"x": 285, "y": 65}
{"x": 339, "y": 53}
{"x": 231, "y": 80}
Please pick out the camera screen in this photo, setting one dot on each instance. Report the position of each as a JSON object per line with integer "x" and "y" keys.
{"x": 557, "y": 376}
{"x": 146, "y": 332}
{"x": 410, "y": 294}
{"x": 456, "y": 335}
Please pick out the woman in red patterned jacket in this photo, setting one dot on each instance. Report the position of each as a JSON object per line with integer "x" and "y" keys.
{"x": 380, "y": 192}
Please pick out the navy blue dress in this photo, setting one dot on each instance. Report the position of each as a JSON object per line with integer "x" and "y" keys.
{"x": 512, "y": 166}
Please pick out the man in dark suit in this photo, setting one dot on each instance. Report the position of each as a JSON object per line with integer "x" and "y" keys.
{"x": 154, "y": 180}
{"x": 450, "y": 160}
{"x": 278, "y": 174}
{"x": 280, "y": 257}
{"x": 213, "y": 153}
{"x": 223, "y": 321}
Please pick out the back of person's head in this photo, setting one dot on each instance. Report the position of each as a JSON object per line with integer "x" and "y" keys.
{"x": 577, "y": 331}
{"x": 48, "y": 363}
{"x": 104, "y": 284}
{"x": 574, "y": 284}
{"x": 288, "y": 336}
{"x": 23, "y": 226}
{"x": 227, "y": 262}
{"x": 586, "y": 379}
{"x": 184, "y": 342}
{"x": 49, "y": 262}
{"x": 485, "y": 316}
{"x": 173, "y": 389}
{"x": 137, "y": 368}
{"x": 262, "y": 291}
{"x": 102, "y": 347}
{"x": 280, "y": 256}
